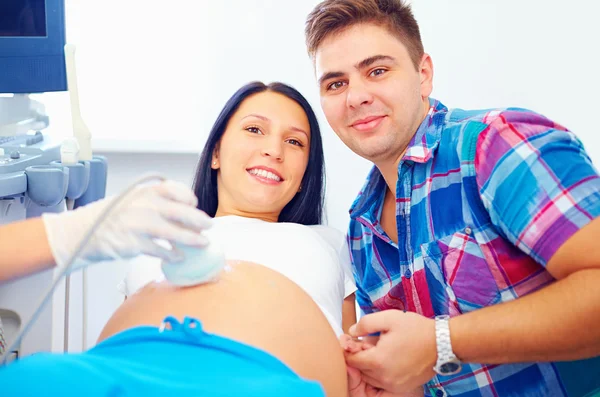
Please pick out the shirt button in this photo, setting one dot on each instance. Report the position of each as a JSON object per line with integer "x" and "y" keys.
{"x": 407, "y": 273}
{"x": 468, "y": 230}
{"x": 439, "y": 393}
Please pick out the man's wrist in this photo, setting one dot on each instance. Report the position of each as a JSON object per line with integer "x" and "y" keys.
{"x": 447, "y": 362}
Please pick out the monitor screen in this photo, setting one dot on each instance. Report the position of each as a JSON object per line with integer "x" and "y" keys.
{"x": 23, "y": 18}
{"x": 32, "y": 40}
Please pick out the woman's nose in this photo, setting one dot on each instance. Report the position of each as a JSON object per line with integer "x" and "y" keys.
{"x": 274, "y": 150}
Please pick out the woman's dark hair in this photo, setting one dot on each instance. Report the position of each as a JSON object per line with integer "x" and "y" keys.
{"x": 307, "y": 205}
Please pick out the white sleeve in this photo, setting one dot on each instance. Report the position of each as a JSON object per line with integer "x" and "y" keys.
{"x": 143, "y": 269}
{"x": 337, "y": 241}
{"x": 346, "y": 265}
{"x": 122, "y": 287}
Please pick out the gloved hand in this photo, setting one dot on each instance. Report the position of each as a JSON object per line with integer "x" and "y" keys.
{"x": 165, "y": 211}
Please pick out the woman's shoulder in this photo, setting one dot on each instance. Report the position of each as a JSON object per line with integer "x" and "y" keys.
{"x": 331, "y": 235}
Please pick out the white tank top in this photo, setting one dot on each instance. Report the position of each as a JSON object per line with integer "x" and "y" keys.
{"x": 314, "y": 257}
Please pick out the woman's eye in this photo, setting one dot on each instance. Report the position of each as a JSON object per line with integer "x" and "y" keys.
{"x": 295, "y": 142}
{"x": 254, "y": 130}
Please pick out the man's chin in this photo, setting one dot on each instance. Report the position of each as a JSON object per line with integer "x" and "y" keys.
{"x": 376, "y": 155}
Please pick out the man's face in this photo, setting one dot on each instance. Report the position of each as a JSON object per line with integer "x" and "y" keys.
{"x": 371, "y": 93}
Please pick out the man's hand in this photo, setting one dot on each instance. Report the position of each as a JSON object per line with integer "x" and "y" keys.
{"x": 357, "y": 387}
{"x": 403, "y": 357}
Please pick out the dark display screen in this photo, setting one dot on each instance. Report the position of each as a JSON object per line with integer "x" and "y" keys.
{"x": 23, "y": 18}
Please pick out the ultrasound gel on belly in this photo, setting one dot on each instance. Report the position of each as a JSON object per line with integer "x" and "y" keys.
{"x": 199, "y": 266}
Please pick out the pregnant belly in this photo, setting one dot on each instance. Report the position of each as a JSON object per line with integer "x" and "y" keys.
{"x": 251, "y": 304}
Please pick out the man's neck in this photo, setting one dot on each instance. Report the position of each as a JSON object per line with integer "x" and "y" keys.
{"x": 389, "y": 167}
{"x": 389, "y": 171}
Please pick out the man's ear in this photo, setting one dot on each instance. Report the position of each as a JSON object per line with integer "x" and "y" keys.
{"x": 426, "y": 72}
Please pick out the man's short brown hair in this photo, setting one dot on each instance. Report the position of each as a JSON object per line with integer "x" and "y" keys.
{"x": 332, "y": 16}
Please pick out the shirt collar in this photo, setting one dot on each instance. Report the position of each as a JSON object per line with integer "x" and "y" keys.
{"x": 419, "y": 150}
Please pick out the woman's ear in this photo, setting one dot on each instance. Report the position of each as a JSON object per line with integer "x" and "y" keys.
{"x": 215, "y": 159}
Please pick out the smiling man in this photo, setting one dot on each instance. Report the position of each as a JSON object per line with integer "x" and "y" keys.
{"x": 473, "y": 239}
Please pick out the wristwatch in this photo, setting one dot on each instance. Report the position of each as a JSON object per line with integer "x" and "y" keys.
{"x": 447, "y": 362}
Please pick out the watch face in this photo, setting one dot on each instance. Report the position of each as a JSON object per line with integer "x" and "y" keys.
{"x": 449, "y": 368}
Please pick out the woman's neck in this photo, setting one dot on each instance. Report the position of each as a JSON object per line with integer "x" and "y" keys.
{"x": 267, "y": 217}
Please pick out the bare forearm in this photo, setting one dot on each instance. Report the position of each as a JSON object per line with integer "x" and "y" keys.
{"x": 559, "y": 322}
{"x": 24, "y": 249}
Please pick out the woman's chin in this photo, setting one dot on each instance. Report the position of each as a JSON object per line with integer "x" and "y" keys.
{"x": 264, "y": 204}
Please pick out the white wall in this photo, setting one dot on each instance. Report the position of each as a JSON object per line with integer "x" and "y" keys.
{"x": 153, "y": 78}
{"x": 541, "y": 55}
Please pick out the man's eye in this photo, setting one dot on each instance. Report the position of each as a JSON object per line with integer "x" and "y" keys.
{"x": 378, "y": 72}
{"x": 335, "y": 85}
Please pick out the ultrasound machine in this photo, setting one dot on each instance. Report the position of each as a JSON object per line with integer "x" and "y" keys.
{"x": 40, "y": 172}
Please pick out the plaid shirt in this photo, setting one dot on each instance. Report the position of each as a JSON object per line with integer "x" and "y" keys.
{"x": 483, "y": 200}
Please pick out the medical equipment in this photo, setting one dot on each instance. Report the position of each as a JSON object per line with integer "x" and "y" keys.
{"x": 81, "y": 132}
{"x": 199, "y": 266}
{"x": 63, "y": 272}
{"x": 32, "y": 36}
{"x": 38, "y": 171}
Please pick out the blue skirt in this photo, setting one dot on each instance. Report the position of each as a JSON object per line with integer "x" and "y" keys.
{"x": 153, "y": 361}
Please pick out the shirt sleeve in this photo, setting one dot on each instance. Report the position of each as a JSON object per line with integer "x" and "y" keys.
{"x": 536, "y": 181}
{"x": 143, "y": 269}
{"x": 122, "y": 287}
{"x": 346, "y": 264}
{"x": 356, "y": 246}
{"x": 364, "y": 302}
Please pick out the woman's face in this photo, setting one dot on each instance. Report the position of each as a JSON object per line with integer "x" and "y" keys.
{"x": 262, "y": 156}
